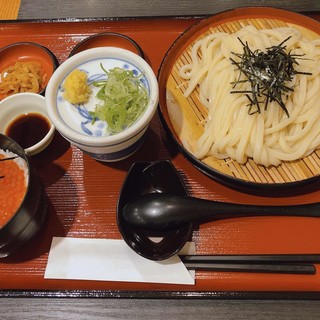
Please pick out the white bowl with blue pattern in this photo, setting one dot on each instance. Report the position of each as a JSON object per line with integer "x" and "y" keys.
{"x": 74, "y": 121}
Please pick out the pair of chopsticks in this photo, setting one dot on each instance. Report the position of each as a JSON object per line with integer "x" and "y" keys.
{"x": 262, "y": 263}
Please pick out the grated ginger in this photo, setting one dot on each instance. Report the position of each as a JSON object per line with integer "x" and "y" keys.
{"x": 76, "y": 87}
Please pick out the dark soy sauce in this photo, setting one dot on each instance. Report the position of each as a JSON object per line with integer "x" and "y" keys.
{"x": 28, "y": 129}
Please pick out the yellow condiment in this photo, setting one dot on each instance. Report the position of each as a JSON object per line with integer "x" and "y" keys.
{"x": 76, "y": 87}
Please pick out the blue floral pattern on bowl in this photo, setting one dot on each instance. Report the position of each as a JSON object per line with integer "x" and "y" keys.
{"x": 78, "y": 116}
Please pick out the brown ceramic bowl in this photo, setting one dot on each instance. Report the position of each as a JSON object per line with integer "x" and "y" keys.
{"x": 28, "y": 51}
{"x": 27, "y": 220}
{"x": 108, "y": 39}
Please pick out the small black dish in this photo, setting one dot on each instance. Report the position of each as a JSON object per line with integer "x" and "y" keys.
{"x": 30, "y": 216}
{"x": 29, "y": 51}
{"x": 108, "y": 39}
{"x": 152, "y": 177}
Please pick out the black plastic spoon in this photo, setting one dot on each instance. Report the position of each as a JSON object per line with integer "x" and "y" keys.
{"x": 158, "y": 180}
{"x": 144, "y": 178}
{"x": 159, "y": 211}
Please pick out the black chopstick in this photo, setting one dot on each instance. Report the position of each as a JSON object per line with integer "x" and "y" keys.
{"x": 253, "y": 258}
{"x": 305, "y": 269}
{"x": 260, "y": 263}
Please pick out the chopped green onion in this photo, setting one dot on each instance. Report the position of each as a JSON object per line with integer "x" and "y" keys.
{"x": 123, "y": 98}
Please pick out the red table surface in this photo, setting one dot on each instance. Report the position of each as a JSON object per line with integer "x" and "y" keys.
{"x": 83, "y": 193}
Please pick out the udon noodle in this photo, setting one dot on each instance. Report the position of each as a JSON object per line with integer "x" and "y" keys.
{"x": 230, "y": 131}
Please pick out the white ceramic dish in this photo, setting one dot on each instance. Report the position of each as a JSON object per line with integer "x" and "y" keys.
{"x": 25, "y": 103}
{"x": 74, "y": 121}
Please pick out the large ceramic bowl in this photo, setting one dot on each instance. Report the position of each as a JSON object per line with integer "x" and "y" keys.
{"x": 184, "y": 118}
{"x": 21, "y": 225}
{"x": 75, "y": 122}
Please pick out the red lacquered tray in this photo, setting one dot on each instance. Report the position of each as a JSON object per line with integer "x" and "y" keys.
{"x": 83, "y": 193}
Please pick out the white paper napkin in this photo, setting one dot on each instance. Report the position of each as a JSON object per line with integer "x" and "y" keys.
{"x": 112, "y": 260}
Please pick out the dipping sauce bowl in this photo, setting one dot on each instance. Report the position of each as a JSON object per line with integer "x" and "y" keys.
{"x": 23, "y": 117}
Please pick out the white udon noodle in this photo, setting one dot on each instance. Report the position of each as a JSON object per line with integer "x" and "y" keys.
{"x": 268, "y": 137}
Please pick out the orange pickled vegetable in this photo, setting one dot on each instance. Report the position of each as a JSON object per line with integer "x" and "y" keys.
{"x": 27, "y": 76}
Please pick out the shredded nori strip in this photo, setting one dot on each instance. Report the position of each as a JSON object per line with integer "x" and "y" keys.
{"x": 269, "y": 74}
{"x": 4, "y": 159}
{"x": 9, "y": 158}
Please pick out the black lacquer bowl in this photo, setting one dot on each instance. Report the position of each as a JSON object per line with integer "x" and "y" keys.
{"x": 26, "y": 52}
{"x": 107, "y": 39}
{"x": 30, "y": 216}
